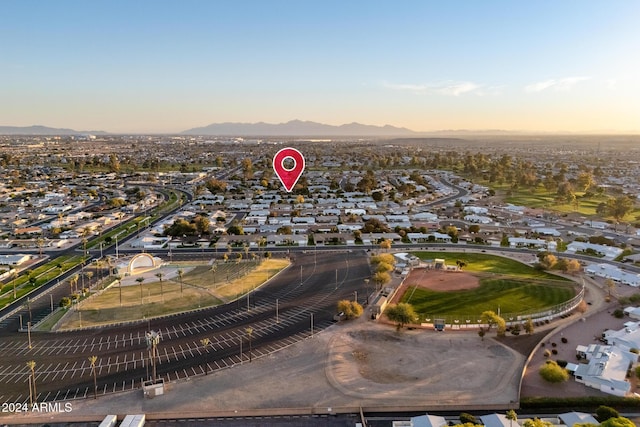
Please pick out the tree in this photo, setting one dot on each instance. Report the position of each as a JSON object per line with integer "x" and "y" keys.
{"x": 351, "y": 309}
{"x": 553, "y": 373}
{"x": 385, "y": 244}
{"x": 511, "y": 416}
{"x": 381, "y": 278}
{"x": 466, "y": 418}
{"x": 536, "y": 422}
{"x": 92, "y": 360}
{"x": 573, "y": 266}
{"x": 474, "y": 228}
{"x": 235, "y": 230}
{"x": 202, "y": 224}
{"x": 383, "y": 266}
{"x": 618, "y": 422}
{"x": 528, "y": 326}
{"x": 401, "y": 313}
{"x": 549, "y": 261}
{"x": 491, "y": 318}
{"x": 481, "y": 333}
{"x": 619, "y": 207}
{"x": 140, "y": 280}
{"x": 603, "y": 413}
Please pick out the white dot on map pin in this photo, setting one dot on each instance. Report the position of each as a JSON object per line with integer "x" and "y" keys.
{"x": 288, "y": 176}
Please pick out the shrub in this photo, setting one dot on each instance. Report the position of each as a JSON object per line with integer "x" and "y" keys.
{"x": 603, "y": 413}
{"x": 468, "y": 418}
{"x": 562, "y": 363}
{"x": 65, "y": 302}
{"x": 564, "y": 340}
{"x": 618, "y": 313}
{"x": 553, "y": 344}
{"x": 554, "y": 351}
{"x": 547, "y": 353}
{"x": 553, "y": 373}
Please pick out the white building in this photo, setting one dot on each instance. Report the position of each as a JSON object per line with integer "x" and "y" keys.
{"x": 606, "y": 370}
{"x": 608, "y": 271}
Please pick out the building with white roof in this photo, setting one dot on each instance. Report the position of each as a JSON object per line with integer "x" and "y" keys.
{"x": 606, "y": 369}
{"x": 625, "y": 338}
{"x": 608, "y": 271}
{"x": 572, "y": 418}
{"x": 608, "y": 252}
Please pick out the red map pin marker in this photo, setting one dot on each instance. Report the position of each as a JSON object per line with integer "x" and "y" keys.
{"x": 288, "y": 177}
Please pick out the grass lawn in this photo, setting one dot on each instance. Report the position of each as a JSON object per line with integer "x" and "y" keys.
{"x": 504, "y": 283}
{"x": 512, "y": 296}
{"x": 135, "y": 302}
{"x": 486, "y": 263}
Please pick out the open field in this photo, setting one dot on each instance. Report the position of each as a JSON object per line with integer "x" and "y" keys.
{"x": 485, "y": 263}
{"x": 196, "y": 289}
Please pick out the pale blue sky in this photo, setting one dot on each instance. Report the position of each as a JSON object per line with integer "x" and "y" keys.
{"x": 165, "y": 66}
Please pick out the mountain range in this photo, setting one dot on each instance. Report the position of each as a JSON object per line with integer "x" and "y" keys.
{"x": 44, "y": 130}
{"x": 297, "y": 128}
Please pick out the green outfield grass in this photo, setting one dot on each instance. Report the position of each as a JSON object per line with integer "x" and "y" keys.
{"x": 486, "y": 263}
{"x": 505, "y": 284}
{"x": 512, "y": 296}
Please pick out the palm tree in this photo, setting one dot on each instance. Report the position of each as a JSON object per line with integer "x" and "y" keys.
{"x": 511, "y": 416}
{"x": 73, "y": 283}
{"x": 89, "y": 275}
{"x": 159, "y": 276}
{"x": 249, "y": 332}
{"x": 92, "y": 360}
{"x": 31, "y": 364}
{"x": 180, "y": 273}
{"x": 140, "y": 280}
{"x": 205, "y": 343}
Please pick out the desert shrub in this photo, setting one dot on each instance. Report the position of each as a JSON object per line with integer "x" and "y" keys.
{"x": 468, "y": 418}
{"x": 564, "y": 340}
{"x": 553, "y": 373}
{"x": 562, "y": 363}
{"x": 618, "y": 313}
{"x": 554, "y": 351}
{"x": 553, "y": 344}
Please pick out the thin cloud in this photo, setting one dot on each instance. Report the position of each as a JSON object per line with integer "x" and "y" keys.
{"x": 447, "y": 88}
{"x": 556, "y": 84}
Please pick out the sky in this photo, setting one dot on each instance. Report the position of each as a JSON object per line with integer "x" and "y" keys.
{"x": 166, "y": 66}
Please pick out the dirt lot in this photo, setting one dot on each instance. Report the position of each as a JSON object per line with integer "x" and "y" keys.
{"x": 441, "y": 281}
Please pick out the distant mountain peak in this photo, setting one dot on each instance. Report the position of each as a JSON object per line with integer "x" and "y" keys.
{"x": 298, "y": 127}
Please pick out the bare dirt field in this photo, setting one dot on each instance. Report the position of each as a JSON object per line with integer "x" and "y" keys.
{"x": 442, "y": 281}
